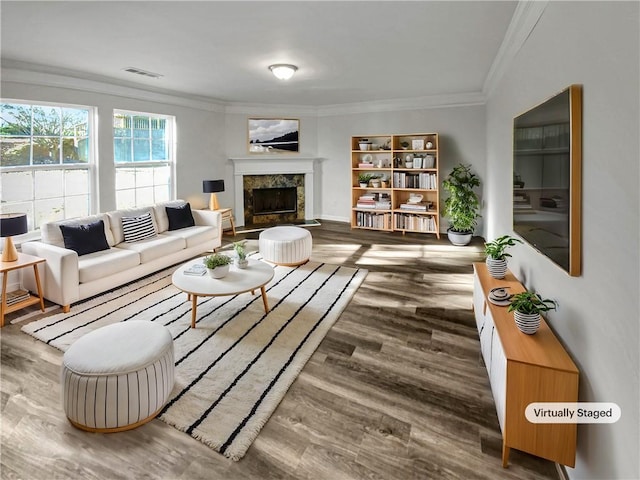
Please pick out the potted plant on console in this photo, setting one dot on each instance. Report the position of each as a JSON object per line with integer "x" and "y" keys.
{"x": 241, "y": 254}
{"x": 497, "y": 255}
{"x": 462, "y": 204}
{"x": 217, "y": 265}
{"x": 527, "y": 307}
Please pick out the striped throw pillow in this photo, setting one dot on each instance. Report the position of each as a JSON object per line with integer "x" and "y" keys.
{"x": 138, "y": 228}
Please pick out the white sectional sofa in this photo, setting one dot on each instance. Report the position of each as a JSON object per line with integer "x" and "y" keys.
{"x": 70, "y": 277}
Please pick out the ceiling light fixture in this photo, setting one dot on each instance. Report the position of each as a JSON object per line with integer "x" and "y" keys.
{"x": 283, "y": 71}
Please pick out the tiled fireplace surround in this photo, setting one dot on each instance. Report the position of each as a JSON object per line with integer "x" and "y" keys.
{"x": 269, "y": 172}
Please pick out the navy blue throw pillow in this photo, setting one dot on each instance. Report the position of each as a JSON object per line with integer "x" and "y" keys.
{"x": 180, "y": 217}
{"x": 85, "y": 239}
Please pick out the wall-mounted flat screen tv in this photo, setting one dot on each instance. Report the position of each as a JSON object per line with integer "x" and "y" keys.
{"x": 547, "y": 166}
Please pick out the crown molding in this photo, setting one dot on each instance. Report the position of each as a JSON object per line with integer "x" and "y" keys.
{"x": 51, "y": 77}
{"x": 403, "y": 104}
{"x": 263, "y": 109}
{"x": 523, "y": 22}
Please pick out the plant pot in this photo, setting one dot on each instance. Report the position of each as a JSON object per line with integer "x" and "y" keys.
{"x": 528, "y": 323}
{"x": 242, "y": 264}
{"x": 218, "y": 272}
{"x": 363, "y": 185}
{"x": 384, "y": 184}
{"x": 459, "y": 239}
{"x": 375, "y": 183}
{"x": 497, "y": 268}
{"x": 364, "y": 146}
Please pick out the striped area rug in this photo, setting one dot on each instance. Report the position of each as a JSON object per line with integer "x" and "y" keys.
{"x": 236, "y": 366}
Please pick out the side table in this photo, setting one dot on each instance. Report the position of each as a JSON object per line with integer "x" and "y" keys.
{"x": 227, "y": 214}
{"x": 24, "y": 261}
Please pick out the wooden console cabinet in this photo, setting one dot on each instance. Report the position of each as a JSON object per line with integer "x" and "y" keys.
{"x": 524, "y": 369}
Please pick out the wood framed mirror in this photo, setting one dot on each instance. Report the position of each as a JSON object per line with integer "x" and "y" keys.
{"x": 547, "y": 178}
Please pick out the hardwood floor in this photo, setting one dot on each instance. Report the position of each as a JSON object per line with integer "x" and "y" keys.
{"x": 396, "y": 390}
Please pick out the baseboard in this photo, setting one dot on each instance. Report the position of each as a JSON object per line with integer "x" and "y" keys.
{"x": 562, "y": 472}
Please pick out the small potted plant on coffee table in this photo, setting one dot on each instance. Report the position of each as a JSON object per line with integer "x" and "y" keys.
{"x": 497, "y": 255}
{"x": 241, "y": 254}
{"x": 527, "y": 307}
{"x": 217, "y": 265}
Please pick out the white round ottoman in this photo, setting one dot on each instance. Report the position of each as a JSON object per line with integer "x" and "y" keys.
{"x": 285, "y": 245}
{"x": 117, "y": 377}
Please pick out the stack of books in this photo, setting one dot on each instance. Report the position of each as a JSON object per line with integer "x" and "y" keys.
{"x": 365, "y": 165}
{"x": 17, "y": 296}
{"x": 418, "y": 207}
{"x": 378, "y": 201}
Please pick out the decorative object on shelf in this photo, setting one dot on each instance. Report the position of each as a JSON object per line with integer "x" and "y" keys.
{"x": 241, "y": 254}
{"x": 12, "y": 224}
{"x": 364, "y": 178}
{"x": 283, "y": 71}
{"x": 364, "y": 144}
{"x": 217, "y": 265}
{"x": 527, "y": 307}
{"x": 273, "y": 135}
{"x": 499, "y": 296}
{"x": 375, "y": 181}
{"x": 404, "y": 145}
{"x": 429, "y": 145}
{"x": 462, "y": 205}
{"x": 417, "y": 144}
{"x": 213, "y": 187}
{"x": 497, "y": 255}
{"x": 428, "y": 161}
{"x": 384, "y": 181}
{"x": 415, "y": 198}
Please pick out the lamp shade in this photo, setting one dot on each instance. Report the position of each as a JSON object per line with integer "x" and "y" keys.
{"x": 212, "y": 186}
{"x": 13, "y": 224}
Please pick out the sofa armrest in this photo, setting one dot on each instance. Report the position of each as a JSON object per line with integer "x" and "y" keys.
{"x": 207, "y": 218}
{"x": 61, "y": 273}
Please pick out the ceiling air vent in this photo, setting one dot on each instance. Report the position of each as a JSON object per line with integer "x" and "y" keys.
{"x": 144, "y": 73}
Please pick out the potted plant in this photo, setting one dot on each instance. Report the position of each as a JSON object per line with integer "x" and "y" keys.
{"x": 462, "y": 205}
{"x": 527, "y": 307}
{"x": 241, "y": 254}
{"x": 217, "y": 265}
{"x": 375, "y": 181}
{"x": 363, "y": 179}
{"x": 497, "y": 255}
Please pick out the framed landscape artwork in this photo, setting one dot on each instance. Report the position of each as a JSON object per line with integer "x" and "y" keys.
{"x": 273, "y": 135}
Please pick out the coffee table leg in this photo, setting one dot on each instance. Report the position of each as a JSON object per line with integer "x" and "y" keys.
{"x": 263, "y": 292}
{"x": 194, "y": 306}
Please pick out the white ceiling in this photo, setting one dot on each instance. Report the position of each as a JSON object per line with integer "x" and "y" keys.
{"x": 347, "y": 52}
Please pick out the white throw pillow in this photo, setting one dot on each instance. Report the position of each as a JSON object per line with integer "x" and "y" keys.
{"x": 138, "y": 228}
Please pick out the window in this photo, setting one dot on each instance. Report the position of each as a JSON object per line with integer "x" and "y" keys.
{"x": 143, "y": 156}
{"x": 46, "y": 159}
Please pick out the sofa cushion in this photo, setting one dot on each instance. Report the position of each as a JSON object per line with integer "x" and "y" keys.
{"x": 180, "y": 217}
{"x": 195, "y": 235}
{"x": 85, "y": 239}
{"x": 102, "y": 264}
{"x": 115, "y": 218}
{"x": 162, "y": 220}
{"x": 138, "y": 228}
{"x": 51, "y": 234}
{"x": 156, "y": 247}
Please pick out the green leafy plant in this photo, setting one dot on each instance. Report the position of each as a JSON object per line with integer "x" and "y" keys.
{"x": 216, "y": 260}
{"x": 238, "y": 247}
{"x": 530, "y": 302}
{"x": 496, "y": 249}
{"x": 462, "y": 204}
{"x": 365, "y": 177}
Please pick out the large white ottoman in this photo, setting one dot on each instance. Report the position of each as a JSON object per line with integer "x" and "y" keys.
{"x": 285, "y": 245}
{"x": 117, "y": 377}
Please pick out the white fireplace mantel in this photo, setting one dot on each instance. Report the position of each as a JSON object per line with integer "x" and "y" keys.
{"x": 268, "y": 165}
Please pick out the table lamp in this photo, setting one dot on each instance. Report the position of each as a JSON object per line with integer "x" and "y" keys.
{"x": 12, "y": 224}
{"x": 212, "y": 187}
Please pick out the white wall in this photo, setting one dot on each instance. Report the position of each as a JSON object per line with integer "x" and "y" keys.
{"x": 461, "y": 132}
{"x": 200, "y": 133}
{"x": 594, "y": 44}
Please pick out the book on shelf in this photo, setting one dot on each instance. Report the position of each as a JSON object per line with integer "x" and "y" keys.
{"x": 365, "y": 165}
{"x": 17, "y": 296}
{"x": 197, "y": 269}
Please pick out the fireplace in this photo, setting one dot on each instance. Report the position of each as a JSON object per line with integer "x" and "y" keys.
{"x": 273, "y": 199}
{"x": 265, "y": 172}
{"x": 268, "y": 201}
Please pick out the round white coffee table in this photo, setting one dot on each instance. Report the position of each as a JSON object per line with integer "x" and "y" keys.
{"x": 256, "y": 275}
